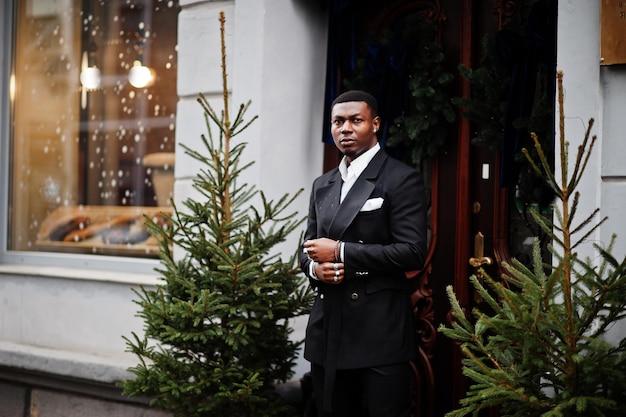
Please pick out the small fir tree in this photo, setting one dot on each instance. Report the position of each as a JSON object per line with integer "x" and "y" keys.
{"x": 217, "y": 330}
{"x": 538, "y": 346}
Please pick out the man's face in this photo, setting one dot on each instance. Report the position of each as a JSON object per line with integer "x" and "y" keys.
{"x": 353, "y": 128}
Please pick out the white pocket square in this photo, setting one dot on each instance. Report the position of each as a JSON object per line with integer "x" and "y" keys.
{"x": 373, "y": 204}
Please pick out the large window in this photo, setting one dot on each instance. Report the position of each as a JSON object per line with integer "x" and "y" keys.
{"x": 93, "y": 124}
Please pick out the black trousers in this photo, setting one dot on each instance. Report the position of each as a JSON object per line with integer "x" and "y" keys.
{"x": 383, "y": 391}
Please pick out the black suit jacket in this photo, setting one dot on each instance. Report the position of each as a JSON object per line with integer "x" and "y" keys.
{"x": 367, "y": 320}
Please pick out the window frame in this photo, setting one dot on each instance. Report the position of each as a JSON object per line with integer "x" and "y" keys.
{"x": 90, "y": 266}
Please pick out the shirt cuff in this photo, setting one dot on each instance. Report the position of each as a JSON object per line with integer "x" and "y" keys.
{"x": 312, "y": 270}
{"x": 341, "y": 252}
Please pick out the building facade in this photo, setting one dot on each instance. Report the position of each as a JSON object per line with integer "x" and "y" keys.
{"x": 65, "y": 304}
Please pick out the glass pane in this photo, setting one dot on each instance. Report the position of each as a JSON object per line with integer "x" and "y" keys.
{"x": 93, "y": 124}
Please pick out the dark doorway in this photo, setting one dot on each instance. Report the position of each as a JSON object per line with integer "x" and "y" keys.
{"x": 501, "y": 55}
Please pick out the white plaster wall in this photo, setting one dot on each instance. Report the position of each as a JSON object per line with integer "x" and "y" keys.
{"x": 578, "y": 56}
{"x": 276, "y": 57}
{"x": 282, "y": 69}
{"x": 598, "y": 92}
{"x": 613, "y": 171}
{"x": 67, "y": 314}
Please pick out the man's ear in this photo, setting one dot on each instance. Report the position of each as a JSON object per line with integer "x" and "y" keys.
{"x": 376, "y": 123}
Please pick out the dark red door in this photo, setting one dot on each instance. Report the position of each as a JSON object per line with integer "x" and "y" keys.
{"x": 471, "y": 203}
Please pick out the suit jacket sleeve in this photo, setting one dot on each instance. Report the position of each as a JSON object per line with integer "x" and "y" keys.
{"x": 310, "y": 233}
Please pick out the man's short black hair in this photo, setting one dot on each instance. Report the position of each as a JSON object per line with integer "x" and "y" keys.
{"x": 358, "y": 95}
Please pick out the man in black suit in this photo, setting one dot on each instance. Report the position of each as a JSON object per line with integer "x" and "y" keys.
{"x": 366, "y": 228}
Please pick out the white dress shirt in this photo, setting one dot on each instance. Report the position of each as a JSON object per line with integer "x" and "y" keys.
{"x": 349, "y": 175}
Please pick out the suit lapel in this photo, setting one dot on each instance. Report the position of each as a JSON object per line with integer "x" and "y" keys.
{"x": 357, "y": 196}
{"x": 327, "y": 200}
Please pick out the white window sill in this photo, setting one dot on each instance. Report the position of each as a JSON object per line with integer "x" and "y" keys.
{"x": 132, "y": 278}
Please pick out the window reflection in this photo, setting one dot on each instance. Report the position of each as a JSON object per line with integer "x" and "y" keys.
{"x": 82, "y": 133}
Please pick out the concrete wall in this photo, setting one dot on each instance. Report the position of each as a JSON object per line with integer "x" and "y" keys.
{"x": 18, "y": 400}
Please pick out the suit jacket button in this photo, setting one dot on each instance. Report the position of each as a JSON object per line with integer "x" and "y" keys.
{"x": 354, "y": 296}
{"x": 321, "y": 296}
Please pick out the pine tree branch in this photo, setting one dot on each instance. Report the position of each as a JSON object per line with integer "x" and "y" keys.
{"x": 545, "y": 171}
{"x": 579, "y": 169}
{"x": 562, "y": 142}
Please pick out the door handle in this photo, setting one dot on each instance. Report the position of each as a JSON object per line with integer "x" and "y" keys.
{"x": 479, "y": 251}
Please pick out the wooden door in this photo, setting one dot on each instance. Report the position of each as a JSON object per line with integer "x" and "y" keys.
{"x": 472, "y": 187}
